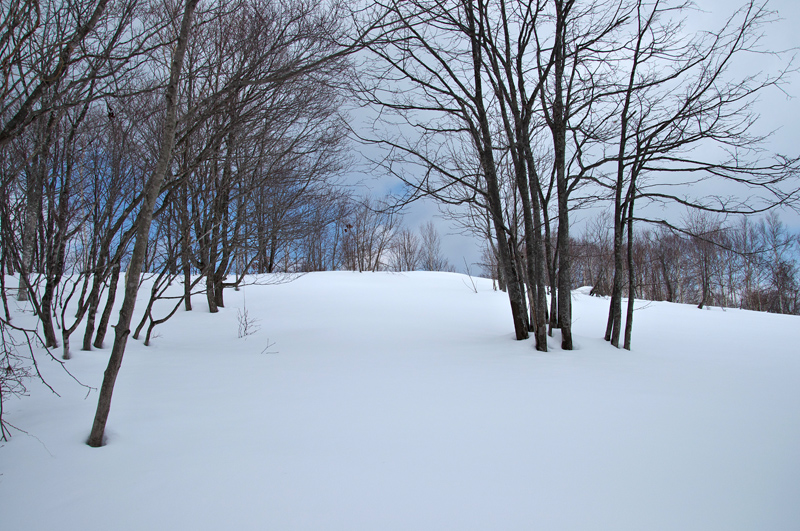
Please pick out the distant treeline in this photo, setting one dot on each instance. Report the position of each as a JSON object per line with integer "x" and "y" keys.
{"x": 746, "y": 263}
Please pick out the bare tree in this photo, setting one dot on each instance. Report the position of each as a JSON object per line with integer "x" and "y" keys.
{"x": 778, "y": 259}
{"x": 436, "y": 49}
{"x": 369, "y": 237}
{"x": 675, "y": 95}
{"x": 37, "y": 31}
{"x": 405, "y": 251}
{"x": 144, "y": 219}
{"x": 430, "y": 250}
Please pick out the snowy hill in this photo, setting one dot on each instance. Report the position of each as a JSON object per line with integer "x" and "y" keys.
{"x": 402, "y": 402}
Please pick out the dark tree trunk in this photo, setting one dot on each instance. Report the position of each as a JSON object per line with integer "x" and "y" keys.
{"x": 98, "y": 282}
{"x": 551, "y": 260}
{"x": 631, "y": 271}
{"x": 564, "y": 281}
{"x": 46, "y": 311}
{"x": 91, "y": 316}
{"x": 219, "y": 299}
{"x": 186, "y": 249}
{"x": 483, "y": 144}
{"x": 564, "y": 258}
{"x": 534, "y": 255}
{"x": 704, "y": 281}
{"x": 102, "y": 327}
{"x": 211, "y": 296}
{"x": 615, "y": 306}
{"x": 558, "y": 129}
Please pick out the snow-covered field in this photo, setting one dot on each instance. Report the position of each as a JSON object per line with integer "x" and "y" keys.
{"x": 402, "y": 402}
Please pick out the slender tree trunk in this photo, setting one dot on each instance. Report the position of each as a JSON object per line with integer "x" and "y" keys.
{"x": 704, "y": 280}
{"x": 152, "y": 188}
{"x": 187, "y": 283}
{"x": 564, "y": 255}
{"x": 186, "y": 250}
{"x": 46, "y": 310}
{"x": 501, "y": 281}
{"x": 219, "y": 298}
{"x": 93, "y": 303}
{"x": 211, "y": 297}
{"x": 558, "y": 127}
{"x": 631, "y": 271}
{"x": 615, "y": 306}
{"x": 538, "y": 274}
{"x": 551, "y": 260}
{"x": 564, "y": 280}
{"x": 533, "y": 244}
{"x": 3, "y": 288}
{"x": 483, "y": 144}
{"x": 67, "y": 331}
{"x": 147, "y": 311}
{"x": 33, "y": 209}
{"x": 91, "y": 316}
{"x": 112, "y": 297}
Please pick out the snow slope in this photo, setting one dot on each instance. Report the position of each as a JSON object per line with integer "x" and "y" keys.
{"x": 402, "y": 402}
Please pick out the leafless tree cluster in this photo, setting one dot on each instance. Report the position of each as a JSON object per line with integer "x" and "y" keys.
{"x": 193, "y": 142}
{"x": 198, "y": 141}
{"x": 704, "y": 261}
{"x": 186, "y": 140}
{"x": 419, "y": 252}
{"x": 523, "y": 111}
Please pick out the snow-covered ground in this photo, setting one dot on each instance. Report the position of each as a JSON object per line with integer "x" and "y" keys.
{"x": 402, "y": 402}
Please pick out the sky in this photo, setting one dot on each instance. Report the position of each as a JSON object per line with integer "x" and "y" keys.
{"x": 779, "y": 113}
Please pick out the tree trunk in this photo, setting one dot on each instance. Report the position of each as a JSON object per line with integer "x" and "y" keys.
{"x": 564, "y": 280}
{"x": 704, "y": 281}
{"x": 564, "y": 257}
{"x": 93, "y": 303}
{"x": 46, "y": 311}
{"x": 631, "y": 271}
{"x": 615, "y": 305}
{"x": 551, "y": 259}
{"x": 219, "y": 299}
{"x": 112, "y": 297}
{"x": 186, "y": 250}
{"x": 211, "y": 297}
{"x": 558, "y": 129}
{"x": 533, "y": 247}
{"x": 91, "y": 316}
{"x": 33, "y": 209}
{"x": 485, "y": 148}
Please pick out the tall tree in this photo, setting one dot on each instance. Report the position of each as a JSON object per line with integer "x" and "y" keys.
{"x": 437, "y": 50}
{"x": 143, "y": 221}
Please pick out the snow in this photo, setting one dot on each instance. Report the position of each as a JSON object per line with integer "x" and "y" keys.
{"x": 402, "y": 401}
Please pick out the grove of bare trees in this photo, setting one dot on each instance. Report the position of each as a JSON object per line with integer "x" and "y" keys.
{"x": 197, "y": 142}
{"x": 191, "y": 142}
{"x": 706, "y": 261}
{"x": 515, "y": 114}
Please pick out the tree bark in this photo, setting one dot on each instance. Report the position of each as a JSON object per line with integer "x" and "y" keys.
{"x": 631, "y": 275}
{"x": 102, "y": 326}
{"x": 559, "y": 132}
{"x": 91, "y": 313}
